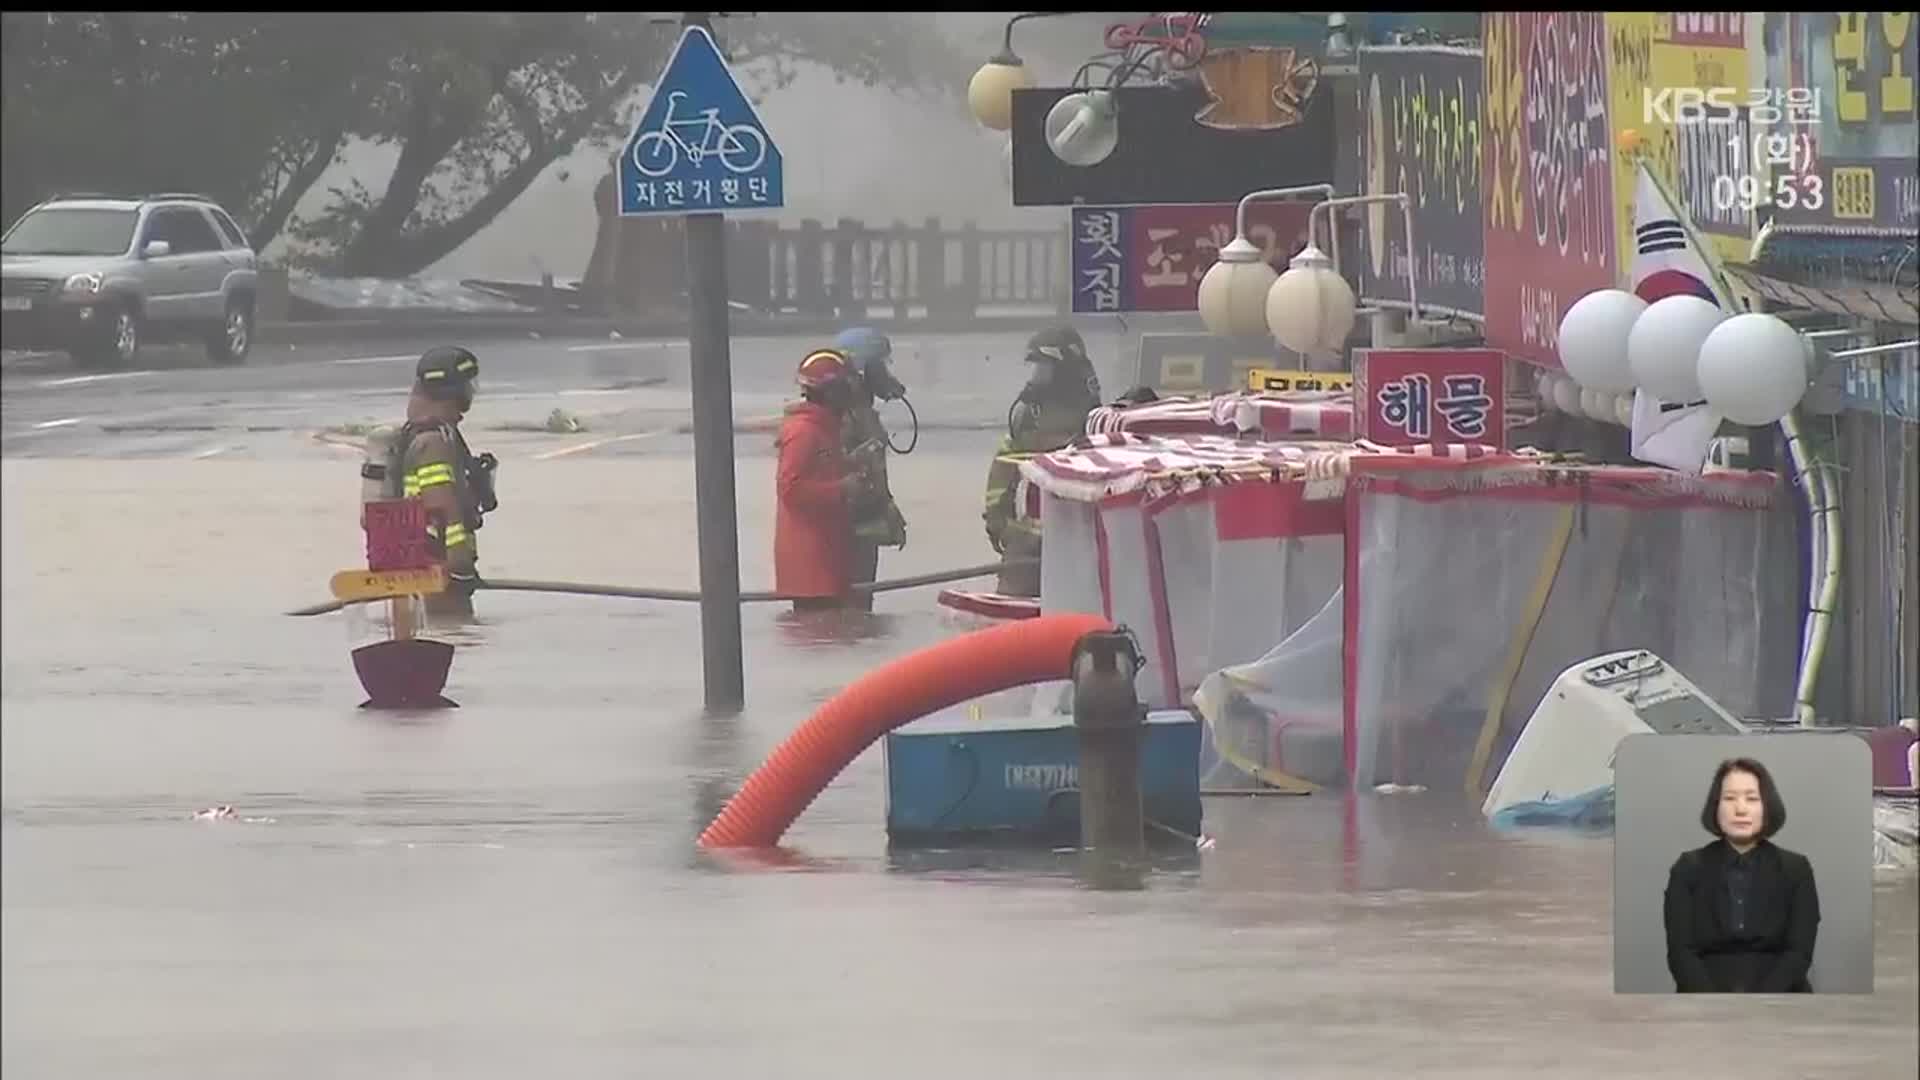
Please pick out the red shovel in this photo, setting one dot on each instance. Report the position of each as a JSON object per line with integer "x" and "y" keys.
{"x": 403, "y": 672}
{"x": 407, "y": 673}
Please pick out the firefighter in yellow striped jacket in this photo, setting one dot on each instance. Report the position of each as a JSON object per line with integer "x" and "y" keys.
{"x": 1050, "y": 412}
{"x": 435, "y": 466}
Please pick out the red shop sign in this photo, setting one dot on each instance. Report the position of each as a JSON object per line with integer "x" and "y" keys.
{"x": 1410, "y": 397}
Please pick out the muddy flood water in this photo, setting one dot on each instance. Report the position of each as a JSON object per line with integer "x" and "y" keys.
{"x": 510, "y": 889}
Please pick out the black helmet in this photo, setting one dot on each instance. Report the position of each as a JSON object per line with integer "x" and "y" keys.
{"x": 448, "y": 371}
{"x": 1060, "y": 343}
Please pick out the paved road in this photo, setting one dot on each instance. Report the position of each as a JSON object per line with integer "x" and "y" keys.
{"x": 624, "y": 393}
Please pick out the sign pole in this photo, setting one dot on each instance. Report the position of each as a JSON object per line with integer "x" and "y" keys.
{"x": 700, "y": 150}
{"x": 716, "y": 510}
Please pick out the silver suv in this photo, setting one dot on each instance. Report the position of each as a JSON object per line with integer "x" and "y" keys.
{"x": 96, "y": 275}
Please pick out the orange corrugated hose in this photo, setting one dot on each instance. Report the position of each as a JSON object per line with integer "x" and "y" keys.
{"x": 982, "y": 662}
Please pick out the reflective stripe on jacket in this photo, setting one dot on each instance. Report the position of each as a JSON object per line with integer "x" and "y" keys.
{"x": 1003, "y": 480}
{"x": 430, "y": 471}
{"x": 1036, "y": 429}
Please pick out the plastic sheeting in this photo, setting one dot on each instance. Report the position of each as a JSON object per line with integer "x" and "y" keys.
{"x": 1449, "y": 562}
{"x": 1588, "y": 810}
{"x": 1231, "y": 564}
{"x": 1070, "y": 557}
{"x": 1449, "y": 637}
{"x": 1197, "y": 597}
{"x": 1896, "y": 820}
{"x": 1279, "y": 719}
{"x": 1139, "y": 529}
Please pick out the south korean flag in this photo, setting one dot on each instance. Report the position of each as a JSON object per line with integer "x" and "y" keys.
{"x": 1668, "y": 262}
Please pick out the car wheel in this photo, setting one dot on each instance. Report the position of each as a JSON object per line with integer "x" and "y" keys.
{"x": 230, "y": 344}
{"x": 119, "y": 342}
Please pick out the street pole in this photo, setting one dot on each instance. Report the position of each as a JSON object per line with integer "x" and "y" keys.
{"x": 716, "y": 512}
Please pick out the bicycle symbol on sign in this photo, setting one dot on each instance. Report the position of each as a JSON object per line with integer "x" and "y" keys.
{"x": 740, "y": 147}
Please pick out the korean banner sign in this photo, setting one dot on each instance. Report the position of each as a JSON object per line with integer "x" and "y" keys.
{"x": 1410, "y": 397}
{"x": 1707, "y": 161}
{"x": 1857, "y": 69}
{"x": 1547, "y": 185}
{"x": 1421, "y": 136}
{"x": 1151, "y": 258}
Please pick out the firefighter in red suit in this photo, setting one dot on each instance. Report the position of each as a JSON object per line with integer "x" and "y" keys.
{"x": 813, "y": 530}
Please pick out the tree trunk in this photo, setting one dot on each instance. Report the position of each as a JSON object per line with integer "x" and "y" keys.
{"x": 638, "y": 264}
{"x": 411, "y": 253}
{"x": 373, "y": 249}
{"x": 275, "y": 219}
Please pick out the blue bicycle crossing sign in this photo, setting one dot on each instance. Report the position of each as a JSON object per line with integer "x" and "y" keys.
{"x": 700, "y": 145}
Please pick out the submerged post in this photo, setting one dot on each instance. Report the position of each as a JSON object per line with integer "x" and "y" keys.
{"x": 1109, "y": 720}
{"x": 717, "y": 526}
{"x": 660, "y": 172}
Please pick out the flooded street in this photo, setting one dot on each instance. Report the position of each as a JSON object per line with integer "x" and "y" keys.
{"x": 510, "y": 888}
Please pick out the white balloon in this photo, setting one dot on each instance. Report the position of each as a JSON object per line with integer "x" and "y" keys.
{"x": 1664, "y": 348}
{"x": 1566, "y": 396}
{"x": 1623, "y": 410}
{"x": 1593, "y": 339}
{"x": 1753, "y": 369}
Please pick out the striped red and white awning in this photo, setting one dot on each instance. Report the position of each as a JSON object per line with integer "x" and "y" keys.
{"x": 1281, "y": 415}
{"x": 1102, "y": 466}
{"x": 1275, "y": 415}
{"x": 1107, "y": 465}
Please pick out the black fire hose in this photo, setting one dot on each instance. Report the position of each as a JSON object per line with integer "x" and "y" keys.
{"x": 915, "y": 415}
{"x": 693, "y": 596}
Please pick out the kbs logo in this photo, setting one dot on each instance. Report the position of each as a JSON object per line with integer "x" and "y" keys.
{"x": 1683, "y": 105}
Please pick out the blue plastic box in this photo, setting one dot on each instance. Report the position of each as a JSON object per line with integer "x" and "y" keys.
{"x": 952, "y": 777}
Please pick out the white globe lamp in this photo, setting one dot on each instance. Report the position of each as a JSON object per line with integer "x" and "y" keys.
{"x": 1753, "y": 369}
{"x": 1664, "y": 348}
{"x": 1593, "y": 339}
{"x": 1311, "y": 307}
{"x": 1566, "y": 396}
{"x": 1543, "y": 383}
{"x": 990, "y": 91}
{"x": 1083, "y": 128}
{"x": 1596, "y": 404}
{"x": 1233, "y": 292}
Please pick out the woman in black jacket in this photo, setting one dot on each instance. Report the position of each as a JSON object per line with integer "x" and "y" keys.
{"x": 1742, "y": 912}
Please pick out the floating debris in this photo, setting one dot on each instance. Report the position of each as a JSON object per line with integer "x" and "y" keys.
{"x": 224, "y": 812}
{"x": 1401, "y": 789}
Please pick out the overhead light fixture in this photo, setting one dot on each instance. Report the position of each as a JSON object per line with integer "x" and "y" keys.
{"x": 990, "y": 91}
{"x": 1083, "y": 128}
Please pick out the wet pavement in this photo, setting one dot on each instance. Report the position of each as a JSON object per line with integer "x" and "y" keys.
{"x": 510, "y": 888}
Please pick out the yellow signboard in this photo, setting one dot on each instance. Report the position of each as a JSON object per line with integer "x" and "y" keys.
{"x": 1182, "y": 373}
{"x": 1277, "y": 379}
{"x": 1656, "y": 65}
{"x": 378, "y": 584}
